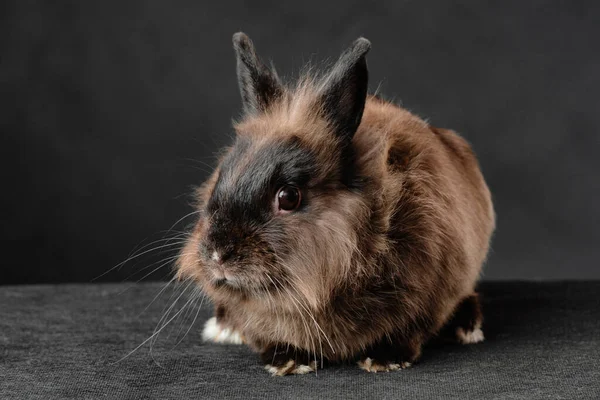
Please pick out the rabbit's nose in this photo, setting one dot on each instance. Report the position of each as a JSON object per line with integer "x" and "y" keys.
{"x": 216, "y": 257}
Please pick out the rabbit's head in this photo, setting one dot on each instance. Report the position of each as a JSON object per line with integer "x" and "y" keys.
{"x": 285, "y": 210}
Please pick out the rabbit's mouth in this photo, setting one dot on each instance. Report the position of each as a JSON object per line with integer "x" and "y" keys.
{"x": 225, "y": 281}
{"x": 221, "y": 278}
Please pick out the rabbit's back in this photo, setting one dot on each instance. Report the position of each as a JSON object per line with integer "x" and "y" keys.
{"x": 439, "y": 209}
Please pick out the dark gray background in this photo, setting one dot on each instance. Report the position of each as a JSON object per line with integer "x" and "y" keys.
{"x": 111, "y": 111}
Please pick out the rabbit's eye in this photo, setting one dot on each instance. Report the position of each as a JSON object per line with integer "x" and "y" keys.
{"x": 288, "y": 198}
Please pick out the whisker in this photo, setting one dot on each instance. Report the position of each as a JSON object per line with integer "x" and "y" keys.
{"x": 308, "y": 330}
{"x": 168, "y": 310}
{"x": 132, "y": 258}
{"x": 166, "y": 315}
{"x": 163, "y": 239}
{"x": 184, "y": 317}
{"x": 157, "y": 295}
{"x": 308, "y": 311}
{"x": 210, "y": 167}
{"x": 203, "y": 297}
{"x": 304, "y": 322}
{"x": 164, "y": 261}
{"x": 153, "y": 335}
{"x": 182, "y": 218}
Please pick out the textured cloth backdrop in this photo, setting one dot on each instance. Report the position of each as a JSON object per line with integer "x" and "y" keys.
{"x": 60, "y": 342}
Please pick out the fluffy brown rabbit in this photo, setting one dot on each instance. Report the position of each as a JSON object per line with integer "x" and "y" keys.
{"x": 338, "y": 226}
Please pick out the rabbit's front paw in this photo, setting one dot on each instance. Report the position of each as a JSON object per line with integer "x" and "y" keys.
{"x": 215, "y": 332}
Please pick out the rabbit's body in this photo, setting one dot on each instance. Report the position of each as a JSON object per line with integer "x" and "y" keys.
{"x": 385, "y": 245}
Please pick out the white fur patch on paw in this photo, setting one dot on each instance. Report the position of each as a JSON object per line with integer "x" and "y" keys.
{"x": 291, "y": 368}
{"x": 370, "y": 365}
{"x": 469, "y": 337}
{"x": 214, "y": 332}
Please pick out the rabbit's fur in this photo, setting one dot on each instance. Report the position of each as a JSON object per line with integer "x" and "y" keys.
{"x": 385, "y": 247}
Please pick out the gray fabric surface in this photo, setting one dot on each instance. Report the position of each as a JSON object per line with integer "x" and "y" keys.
{"x": 65, "y": 341}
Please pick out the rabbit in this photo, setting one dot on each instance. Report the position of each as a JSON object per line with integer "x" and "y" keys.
{"x": 338, "y": 227}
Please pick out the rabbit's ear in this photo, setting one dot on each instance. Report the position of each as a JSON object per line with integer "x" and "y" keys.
{"x": 259, "y": 85}
{"x": 344, "y": 90}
